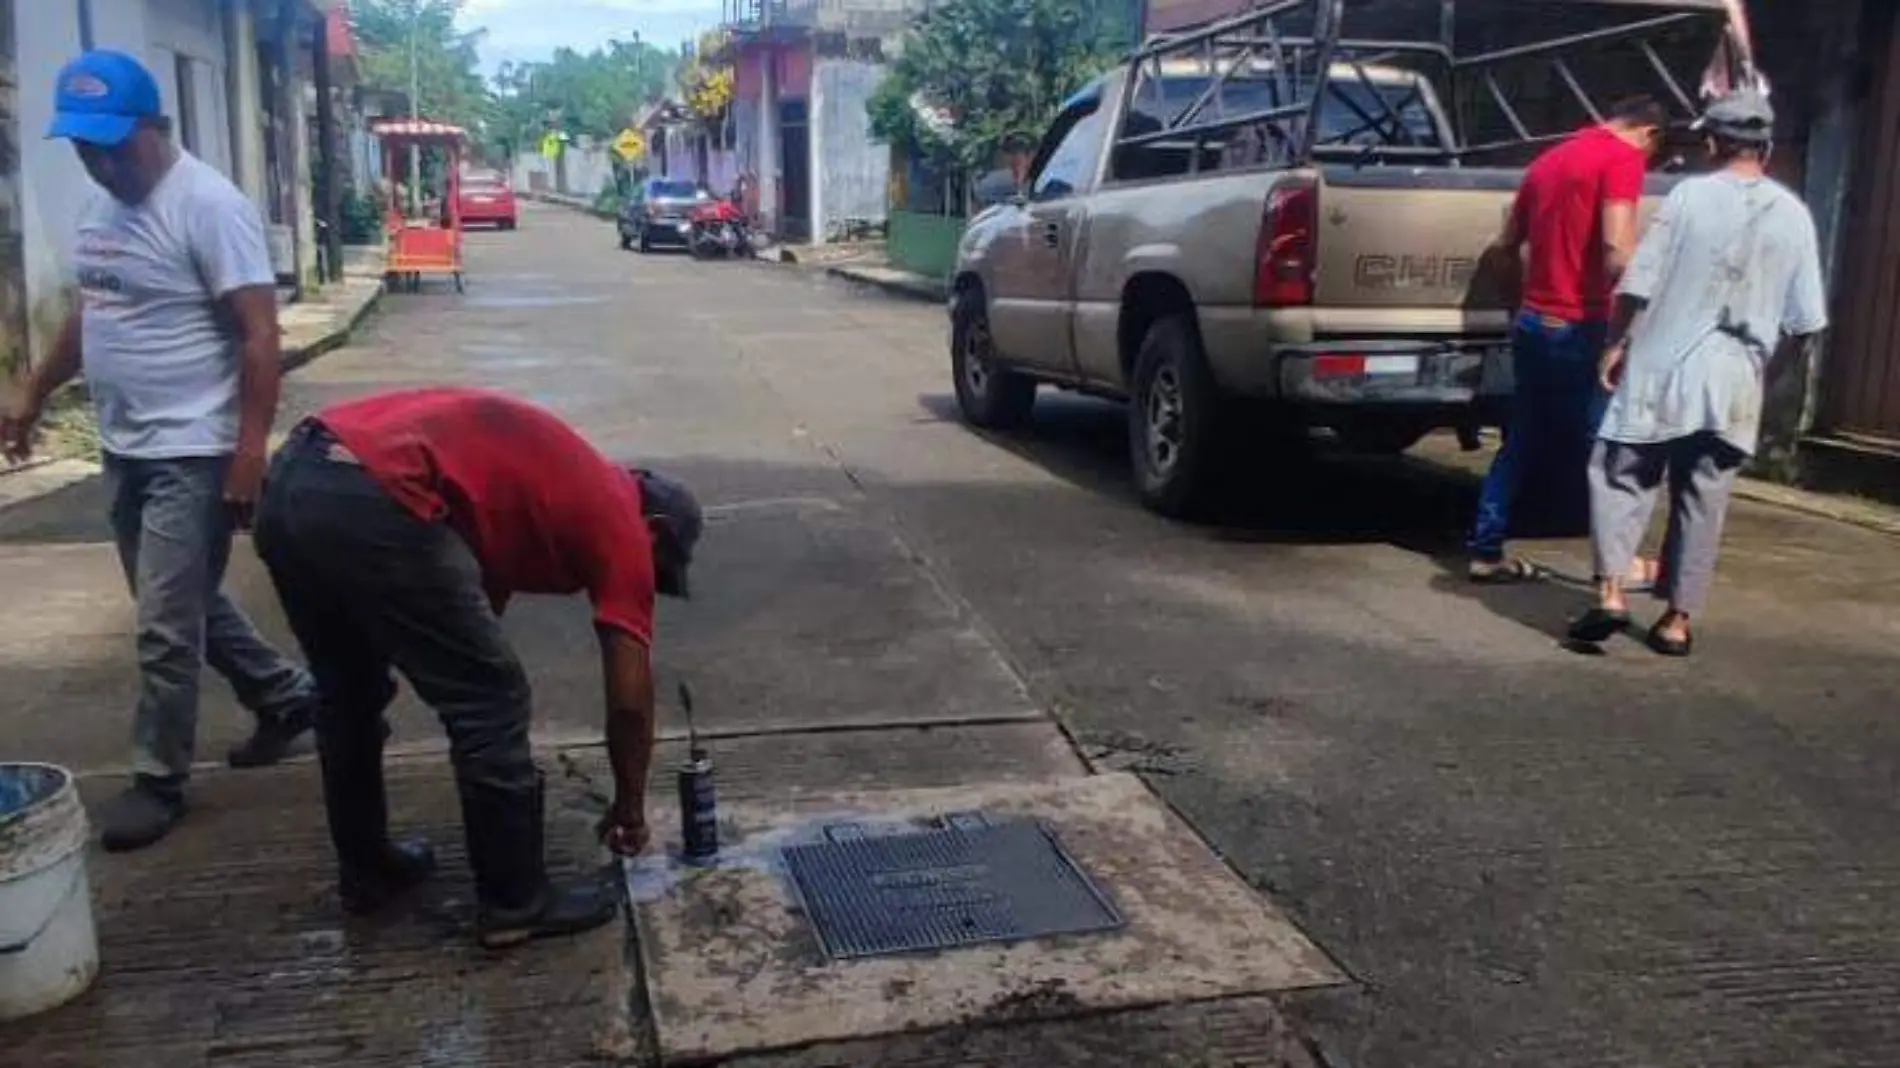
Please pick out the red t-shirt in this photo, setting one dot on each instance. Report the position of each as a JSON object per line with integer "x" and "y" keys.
{"x": 541, "y": 509}
{"x": 1559, "y": 210}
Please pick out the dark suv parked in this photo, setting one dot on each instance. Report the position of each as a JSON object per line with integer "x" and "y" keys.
{"x": 657, "y": 213}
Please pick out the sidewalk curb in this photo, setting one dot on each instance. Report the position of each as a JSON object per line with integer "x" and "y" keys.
{"x": 1789, "y": 498}
{"x": 1846, "y": 511}
{"x": 338, "y": 335}
{"x": 915, "y": 288}
{"x": 56, "y": 474}
{"x": 570, "y": 203}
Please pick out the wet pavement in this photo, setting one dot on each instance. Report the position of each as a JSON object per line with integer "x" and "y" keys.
{"x": 1521, "y": 855}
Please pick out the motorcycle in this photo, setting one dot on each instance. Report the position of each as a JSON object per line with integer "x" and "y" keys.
{"x": 719, "y": 230}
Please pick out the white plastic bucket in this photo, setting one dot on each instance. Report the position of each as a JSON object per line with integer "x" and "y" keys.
{"x": 49, "y": 950}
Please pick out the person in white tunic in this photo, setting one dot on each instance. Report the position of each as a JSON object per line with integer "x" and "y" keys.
{"x": 1729, "y": 267}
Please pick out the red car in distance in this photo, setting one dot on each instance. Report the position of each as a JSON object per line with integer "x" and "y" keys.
{"x": 487, "y": 200}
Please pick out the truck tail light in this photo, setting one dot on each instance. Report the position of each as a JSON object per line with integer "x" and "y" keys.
{"x": 1339, "y": 365}
{"x": 1286, "y": 253}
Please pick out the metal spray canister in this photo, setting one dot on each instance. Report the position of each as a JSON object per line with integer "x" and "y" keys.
{"x": 699, "y": 810}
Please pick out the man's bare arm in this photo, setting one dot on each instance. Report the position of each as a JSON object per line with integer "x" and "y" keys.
{"x": 252, "y": 310}
{"x": 627, "y": 668}
{"x": 1510, "y": 240}
{"x": 59, "y": 367}
{"x": 1619, "y": 237}
{"x": 1616, "y": 342}
{"x": 20, "y": 414}
{"x": 1622, "y": 316}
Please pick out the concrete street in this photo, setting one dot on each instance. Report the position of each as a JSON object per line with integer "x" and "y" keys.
{"x": 1521, "y": 855}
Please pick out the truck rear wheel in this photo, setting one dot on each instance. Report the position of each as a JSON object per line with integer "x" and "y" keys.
{"x": 1176, "y": 421}
{"x": 989, "y": 395}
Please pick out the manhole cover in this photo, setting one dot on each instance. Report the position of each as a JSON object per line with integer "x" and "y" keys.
{"x": 966, "y": 885}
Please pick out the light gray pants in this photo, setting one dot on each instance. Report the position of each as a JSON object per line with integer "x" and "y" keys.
{"x": 1625, "y": 481}
{"x": 174, "y": 540}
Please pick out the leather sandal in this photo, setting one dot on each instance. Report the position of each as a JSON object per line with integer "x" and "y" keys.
{"x": 1664, "y": 645}
{"x": 1598, "y": 625}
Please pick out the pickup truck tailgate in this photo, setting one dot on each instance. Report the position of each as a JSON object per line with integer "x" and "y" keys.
{"x": 1397, "y": 238}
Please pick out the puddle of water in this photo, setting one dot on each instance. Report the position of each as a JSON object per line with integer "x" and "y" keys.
{"x": 24, "y": 786}
{"x": 654, "y": 876}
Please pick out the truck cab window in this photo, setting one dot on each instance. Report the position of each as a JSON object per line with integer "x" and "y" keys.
{"x": 1069, "y": 154}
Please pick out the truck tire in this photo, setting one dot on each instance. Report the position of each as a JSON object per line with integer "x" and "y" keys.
{"x": 990, "y": 396}
{"x": 1176, "y": 421}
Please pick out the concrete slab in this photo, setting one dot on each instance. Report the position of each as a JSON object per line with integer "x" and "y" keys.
{"x": 732, "y": 968}
{"x": 225, "y": 945}
{"x": 1251, "y": 1032}
{"x": 803, "y": 616}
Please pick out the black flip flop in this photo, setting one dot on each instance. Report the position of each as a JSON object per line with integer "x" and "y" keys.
{"x": 1664, "y": 645}
{"x": 1598, "y": 625}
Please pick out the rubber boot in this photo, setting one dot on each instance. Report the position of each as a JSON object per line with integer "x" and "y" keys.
{"x": 372, "y": 871}
{"x": 517, "y": 903}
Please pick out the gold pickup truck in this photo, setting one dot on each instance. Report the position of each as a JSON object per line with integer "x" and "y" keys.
{"x": 1232, "y": 243}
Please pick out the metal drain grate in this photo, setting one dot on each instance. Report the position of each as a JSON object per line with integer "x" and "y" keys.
{"x": 966, "y": 885}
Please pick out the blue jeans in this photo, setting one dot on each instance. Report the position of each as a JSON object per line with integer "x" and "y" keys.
{"x": 1556, "y": 407}
{"x": 174, "y": 539}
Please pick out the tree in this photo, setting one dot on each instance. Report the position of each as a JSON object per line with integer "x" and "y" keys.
{"x": 706, "y": 79}
{"x": 447, "y": 67}
{"x": 593, "y": 94}
{"x": 977, "y": 75}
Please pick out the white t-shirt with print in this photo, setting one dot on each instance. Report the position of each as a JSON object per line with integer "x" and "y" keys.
{"x": 161, "y": 366}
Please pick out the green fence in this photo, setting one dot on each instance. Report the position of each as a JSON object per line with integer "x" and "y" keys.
{"x": 924, "y": 244}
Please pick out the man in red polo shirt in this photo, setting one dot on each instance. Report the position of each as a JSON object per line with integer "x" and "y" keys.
{"x": 1572, "y": 230}
{"x": 396, "y": 528}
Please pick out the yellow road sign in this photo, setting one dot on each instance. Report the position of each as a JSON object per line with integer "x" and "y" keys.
{"x": 630, "y": 145}
{"x": 551, "y": 145}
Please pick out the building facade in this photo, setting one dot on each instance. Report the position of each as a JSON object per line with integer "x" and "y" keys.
{"x": 803, "y": 72}
{"x": 235, "y": 79}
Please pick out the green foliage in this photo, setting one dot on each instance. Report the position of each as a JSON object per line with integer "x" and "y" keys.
{"x": 447, "y": 60}
{"x": 609, "y": 200}
{"x": 362, "y": 219}
{"x": 595, "y": 94}
{"x": 996, "y": 70}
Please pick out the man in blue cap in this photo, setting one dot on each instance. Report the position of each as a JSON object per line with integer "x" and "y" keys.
{"x": 176, "y": 328}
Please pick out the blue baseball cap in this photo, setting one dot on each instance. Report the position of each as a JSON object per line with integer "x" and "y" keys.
{"x": 101, "y": 97}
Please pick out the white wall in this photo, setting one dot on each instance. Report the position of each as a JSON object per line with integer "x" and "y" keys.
{"x": 589, "y": 169}
{"x": 853, "y": 169}
{"x": 193, "y": 31}
{"x": 54, "y": 188}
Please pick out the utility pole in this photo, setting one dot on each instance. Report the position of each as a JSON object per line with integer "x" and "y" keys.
{"x": 415, "y": 108}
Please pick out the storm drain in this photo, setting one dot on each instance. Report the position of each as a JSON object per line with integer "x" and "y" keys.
{"x": 972, "y": 883}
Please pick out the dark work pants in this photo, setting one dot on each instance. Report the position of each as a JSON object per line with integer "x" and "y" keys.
{"x": 369, "y": 587}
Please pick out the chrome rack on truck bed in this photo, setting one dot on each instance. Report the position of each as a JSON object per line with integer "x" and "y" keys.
{"x": 1292, "y": 82}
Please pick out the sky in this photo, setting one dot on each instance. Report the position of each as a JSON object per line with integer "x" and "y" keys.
{"x": 520, "y": 30}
